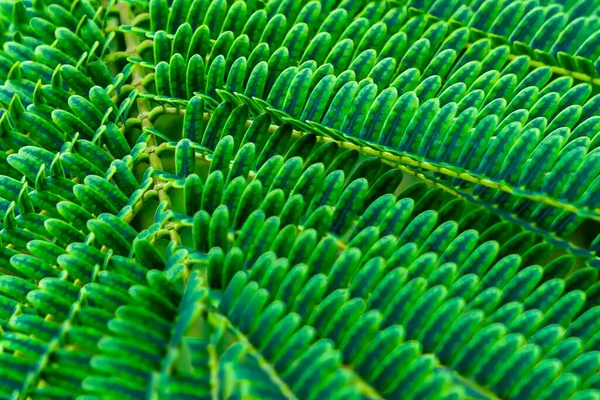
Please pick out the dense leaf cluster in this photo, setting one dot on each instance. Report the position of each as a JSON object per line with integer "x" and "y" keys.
{"x": 293, "y": 199}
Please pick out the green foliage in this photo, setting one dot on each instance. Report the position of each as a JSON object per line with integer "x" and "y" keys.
{"x": 294, "y": 199}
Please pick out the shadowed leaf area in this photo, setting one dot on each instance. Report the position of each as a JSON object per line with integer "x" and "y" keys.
{"x": 294, "y": 199}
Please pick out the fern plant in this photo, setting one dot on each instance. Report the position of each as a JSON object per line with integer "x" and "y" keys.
{"x": 294, "y": 199}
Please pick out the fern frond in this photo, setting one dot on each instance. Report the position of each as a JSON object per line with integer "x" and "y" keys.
{"x": 454, "y": 143}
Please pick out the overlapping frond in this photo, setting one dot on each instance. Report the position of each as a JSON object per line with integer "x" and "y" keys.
{"x": 416, "y": 92}
{"x": 294, "y": 199}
